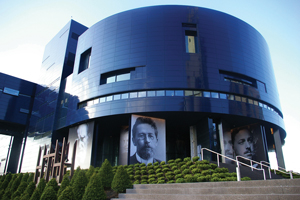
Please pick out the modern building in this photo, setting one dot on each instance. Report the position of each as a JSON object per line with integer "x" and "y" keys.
{"x": 203, "y": 77}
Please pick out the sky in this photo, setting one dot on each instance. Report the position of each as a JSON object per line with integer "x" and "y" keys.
{"x": 27, "y": 26}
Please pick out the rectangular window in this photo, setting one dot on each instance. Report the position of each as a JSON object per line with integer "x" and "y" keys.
{"x": 142, "y": 94}
{"x": 250, "y": 101}
{"x": 117, "y": 97}
{"x": 109, "y": 98}
{"x": 123, "y": 77}
{"x": 160, "y": 93}
{"x": 96, "y": 101}
{"x": 111, "y": 79}
{"x": 206, "y": 94}
{"x": 214, "y": 95}
{"x": 133, "y": 94}
{"x": 191, "y": 41}
{"x": 169, "y": 93}
{"x": 230, "y": 96}
{"x": 244, "y": 99}
{"x": 198, "y": 93}
{"x": 116, "y": 76}
{"x": 222, "y": 96}
{"x": 125, "y": 96}
{"x": 188, "y": 93}
{"x": 237, "y": 98}
{"x": 179, "y": 93}
{"x": 84, "y": 60}
{"x": 151, "y": 93}
{"x": 102, "y": 100}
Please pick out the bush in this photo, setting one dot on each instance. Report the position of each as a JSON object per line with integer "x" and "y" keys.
{"x": 186, "y": 171}
{"x": 29, "y": 189}
{"x": 64, "y": 184}
{"x": 187, "y": 159}
{"x": 158, "y": 171}
{"x": 30, "y": 178}
{"x": 204, "y": 166}
{"x": 52, "y": 183}
{"x": 16, "y": 183}
{"x": 160, "y": 181}
{"x": 178, "y": 160}
{"x": 245, "y": 179}
{"x": 174, "y": 168}
{"x": 25, "y": 196}
{"x": 189, "y": 163}
{"x": 144, "y": 168}
{"x": 214, "y": 179}
{"x": 121, "y": 181}
{"x": 180, "y": 180}
{"x": 90, "y": 172}
{"x": 162, "y": 163}
{"x": 151, "y": 171}
{"x": 183, "y": 167}
{"x": 67, "y": 194}
{"x": 165, "y": 170}
{"x": 201, "y": 179}
{"x": 149, "y": 164}
{"x": 190, "y": 178}
{"x": 75, "y": 175}
{"x": 131, "y": 177}
{"x": 213, "y": 166}
{"x": 207, "y": 172}
{"x": 221, "y": 170}
{"x": 178, "y": 176}
{"x": 137, "y": 172}
{"x": 195, "y": 171}
{"x": 170, "y": 161}
{"x": 143, "y": 172}
{"x": 156, "y": 167}
{"x": 136, "y": 182}
{"x": 94, "y": 189}
{"x": 106, "y": 174}
{"x": 156, "y": 163}
{"x": 49, "y": 193}
{"x": 22, "y": 187}
{"x": 161, "y": 178}
{"x": 79, "y": 185}
{"x": 171, "y": 181}
{"x": 144, "y": 181}
{"x": 170, "y": 177}
{"x": 137, "y": 177}
{"x": 177, "y": 172}
{"x": 180, "y": 164}
{"x": 159, "y": 174}
{"x": 196, "y": 158}
{"x": 6, "y": 181}
{"x": 25, "y": 177}
{"x": 144, "y": 177}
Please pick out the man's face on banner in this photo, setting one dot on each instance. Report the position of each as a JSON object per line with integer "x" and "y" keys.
{"x": 145, "y": 141}
{"x": 243, "y": 144}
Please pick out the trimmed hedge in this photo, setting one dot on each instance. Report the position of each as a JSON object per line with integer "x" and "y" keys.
{"x": 121, "y": 180}
{"x": 94, "y": 189}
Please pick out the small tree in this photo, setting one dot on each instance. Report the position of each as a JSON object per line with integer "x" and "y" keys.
{"x": 79, "y": 185}
{"x": 30, "y": 178}
{"x": 52, "y": 183}
{"x": 67, "y": 194}
{"x": 75, "y": 175}
{"x": 94, "y": 189}
{"x": 121, "y": 180}
{"x": 6, "y": 181}
{"x": 49, "y": 194}
{"x": 22, "y": 187}
{"x": 29, "y": 190}
{"x": 106, "y": 174}
{"x": 39, "y": 190}
{"x": 16, "y": 183}
{"x": 25, "y": 196}
{"x": 65, "y": 183}
{"x": 25, "y": 177}
{"x": 90, "y": 172}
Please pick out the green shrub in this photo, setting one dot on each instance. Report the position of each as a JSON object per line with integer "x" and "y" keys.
{"x": 186, "y": 171}
{"x": 204, "y": 166}
{"x": 161, "y": 178}
{"x": 90, "y": 172}
{"x": 143, "y": 172}
{"x": 245, "y": 179}
{"x": 64, "y": 184}
{"x": 162, "y": 163}
{"x": 49, "y": 193}
{"x": 136, "y": 182}
{"x": 207, "y": 172}
{"x": 52, "y": 183}
{"x": 177, "y": 172}
{"x": 160, "y": 181}
{"x": 149, "y": 164}
{"x": 7, "y": 195}
{"x": 180, "y": 164}
{"x": 79, "y": 185}
{"x": 1, "y": 193}
{"x": 189, "y": 163}
{"x": 214, "y": 179}
{"x": 16, "y": 183}
{"x": 22, "y": 187}
{"x": 94, "y": 190}
{"x": 156, "y": 163}
{"x": 137, "y": 165}
{"x": 160, "y": 174}
{"x": 180, "y": 180}
{"x": 187, "y": 159}
{"x": 174, "y": 168}
{"x": 25, "y": 177}
{"x": 131, "y": 177}
{"x": 30, "y": 178}
{"x": 67, "y": 194}
{"x": 142, "y": 164}
{"x": 137, "y": 177}
{"x": 39, "y": 190}
{"x": 29, "y": 189}
{"x": 129, "y": 171}
{"x": 178, "y": 160}
{"x": 213, "y": 166}
{"x": 156, "y": 167}
{"x": 152, "y": 182}
{"x": 204, "y": 162}
{"x": 144, "y": 181}
{"x": 151, "y": 179}
{"x": 171, "y": 181}
{"x": 221, "y": 170}
{"x": 158, "y": 171}
{"x": 170, "y": 161}
{"x": 196, "y": 158}
{"x": 6, "y": 181}
{"x": 152, "y": 176}
{"x": 201, "y": 179}
{"x": 25, "y": 196}
{"x": 208, "y": 177}
{"x": 151, "y": 171}
{"x": 144, "y": 168}
{"x": 233, "y": 174}
{"x": 75, "y": 175}
{"x": 121, "y": 181}
{"x": 192, "y": 167}
{"x": 165, "y": 170}
{"x": 183, "y": 167}
{"x": 178, "y": 176}
{"x": 197, "y": 175}
{"x": 165, "y": 166}
{"x": 190, "y": 178}
{"x": 196, "y": 170}
{"x": 170, "y": 177}
{"x": 144, "y": 177}
{"x": 106, "y": 174}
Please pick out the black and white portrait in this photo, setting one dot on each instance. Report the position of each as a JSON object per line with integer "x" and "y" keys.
{"x": 83, "y": 134}
{"x": 148, "y": 140}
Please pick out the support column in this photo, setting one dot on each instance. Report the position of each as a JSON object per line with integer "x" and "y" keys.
{"x": 278, "y": 148}
{"x": 193, "y": 141}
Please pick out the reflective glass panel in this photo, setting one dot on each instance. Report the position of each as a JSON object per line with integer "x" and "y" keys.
{"x": 142, "y": 94}
{"x": 117, "y": 97}
{"x": 102, "y": 99}
{"x": 244, "y": 99}
{"x": 179, "y": 93}
{"x": 96, "y": 101}
{"x": 111, "y": 79}
{"x": 188, "y": 93}
{"x": 230, "y": 96}
{"x": 151, "y": 93}
{"x": 206, "y": 94}
{"x": 260, "y": 104}
{"x": 90, "y": 103}
{"x": 123, "y": 77}
{"x": 255, "y": 103}
{"x": 109, "y": 98}
{"x": 133, "y": 94}
{"x": 222, "y": 96}
{"x": 160, "y": 93}
{"x": 238, "y": 98}
{"x": 214, "y": 95}
{"x": 198, "y": 93}
{"x": 250, "y": 101}
{"x": 125, "y": 96}
{"x": 169, "y": 93}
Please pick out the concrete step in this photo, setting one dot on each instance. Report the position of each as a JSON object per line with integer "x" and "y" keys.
{"x": 280, "y": 189}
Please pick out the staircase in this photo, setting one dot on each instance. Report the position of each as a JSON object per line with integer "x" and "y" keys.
{"x": 283, "y": 189}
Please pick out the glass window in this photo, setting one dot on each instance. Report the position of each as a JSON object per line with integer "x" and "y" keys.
{"x": 250, "y": 101}
{"x": 169, "y": 92}
{"x": 191, "y": 41}
{"x": 151, "y": 93}
{"x": 96, "y": 101}
{"x": 84, "y": 60}
{"x": 179, "y": 93}
{"x": 90, "y": 103}
{"x": 123, "y": 77}
{"x": 142, "y": 94}
{"x": 260, "y": 104}
{"x": 222, "y": 96}
{"x": 188, "y": 93}
{"x": 198, "y": 93}
{"x": 230, "y": 96}
{"x": 244, "y": 99}
{"x": 102, "y": 99}
{"x": 255, "y": 103}
{"x": 117, "y": 97}
{"x": 238, "y": 98}
{"x": 111, "y": 79}
{"x": 214, "y": 95}
{"x": 133, "y": 94}
{"x": 109, "y": 98}
{"x": 265, "y": 106}
{"x": 206, "y": 94}
{"x": 125, "y": 96}
{"x": 160, "y": 93}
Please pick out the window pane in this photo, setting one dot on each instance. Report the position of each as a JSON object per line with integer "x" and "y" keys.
{"x": 250, "y": 101}
{"x": 160, "y": 93}
{"x": 222, "y": 96}
{"x": 123, "y": 77}
{"x": 169, "y": 93}
{"x": 188, "y": 93}
{"x": 237, "y": 98}
{"x": 230, "y": 96}
{"x": 206, "y": 94}
{"x": 109, "y": 98}
{"x": 111, "y": 79}
{"x": 133, "y": 94}
{"x": 179, "y": 93}
{"x": 142, "y": 94}
{"x": 90, "y": 103}
{"x": 151, "y": 93}
{"x": 198, "y": 93}
{"x": 244, "y": 99}
{"x": 125, "y": 96}
{"x": 96, "y": 101}
{"x": 117, "y": 97}
{"x": 260, "y": 104}
{"x": 255, "y": 103}
{"x": 215, "y": 95}
{"x": 102, "y": 99}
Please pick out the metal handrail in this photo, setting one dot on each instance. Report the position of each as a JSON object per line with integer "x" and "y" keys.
{"x": 285, "y": 172}
{"x": 237, "y": 163}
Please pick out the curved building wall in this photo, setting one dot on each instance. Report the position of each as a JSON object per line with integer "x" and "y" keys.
{"x": 231, "y": 60}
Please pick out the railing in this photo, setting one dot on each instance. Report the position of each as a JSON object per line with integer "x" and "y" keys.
{"x": 283, "y": 170}
{"x": 238, "y": 163}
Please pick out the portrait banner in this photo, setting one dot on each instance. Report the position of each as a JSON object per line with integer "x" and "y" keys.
{"x": 147, "y": 140}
